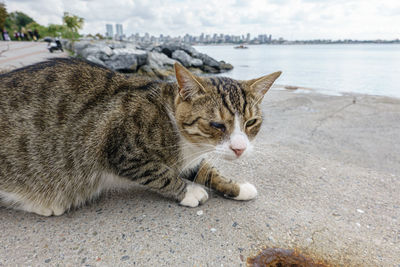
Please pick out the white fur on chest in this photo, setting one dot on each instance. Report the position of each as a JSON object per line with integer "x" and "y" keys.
{"x": 191, "y": 155}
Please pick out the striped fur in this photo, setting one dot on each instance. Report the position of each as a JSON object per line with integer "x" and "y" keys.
{"x": 70, "y": 129}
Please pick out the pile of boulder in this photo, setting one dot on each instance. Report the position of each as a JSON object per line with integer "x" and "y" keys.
{"x": 154, "y": 61}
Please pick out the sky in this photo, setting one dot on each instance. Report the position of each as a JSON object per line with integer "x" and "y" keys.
{"x": 290, "y": 19}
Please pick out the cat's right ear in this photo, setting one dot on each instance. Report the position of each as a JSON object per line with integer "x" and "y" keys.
{"x": 188, "y": 84}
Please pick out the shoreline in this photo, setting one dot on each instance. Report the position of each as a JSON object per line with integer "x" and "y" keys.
{"x": 288, "y": 44}
{"x": 307, "y": 90}
{"x": 38, "y": 52}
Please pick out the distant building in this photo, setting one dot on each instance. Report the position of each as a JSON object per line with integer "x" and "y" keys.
{"x": 109, "y": 31}
{"x": 119, "y": 30}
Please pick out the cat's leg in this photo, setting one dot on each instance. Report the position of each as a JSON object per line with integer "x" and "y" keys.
{"x": 207, "y": 175}
{"x": 165, "y": 182}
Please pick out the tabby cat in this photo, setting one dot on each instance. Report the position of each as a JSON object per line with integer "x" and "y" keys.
{"x": 71, "y": 129}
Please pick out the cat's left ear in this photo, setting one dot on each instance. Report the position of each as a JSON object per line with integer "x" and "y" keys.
{"x": 189, "y": 85}
{"x": 261, "y": 85}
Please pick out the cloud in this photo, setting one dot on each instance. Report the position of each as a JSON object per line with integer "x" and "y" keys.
{"x": 293, "y": 19}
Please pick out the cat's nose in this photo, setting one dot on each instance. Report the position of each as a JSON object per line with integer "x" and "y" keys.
{"x": 238, "y": 151}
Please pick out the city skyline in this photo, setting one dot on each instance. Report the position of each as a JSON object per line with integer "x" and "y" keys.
{"x": 216, "y": 38}
{"x": 291, "y": 19}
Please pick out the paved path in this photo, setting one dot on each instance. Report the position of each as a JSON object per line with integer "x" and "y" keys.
{"x": 18, "y": 54}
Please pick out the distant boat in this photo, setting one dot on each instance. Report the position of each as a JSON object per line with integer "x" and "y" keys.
{"x": 241, "y": 47}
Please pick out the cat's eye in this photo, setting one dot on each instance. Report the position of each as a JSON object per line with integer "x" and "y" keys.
{"x": 251, "y": 122}
{"x": 218, "y": 126}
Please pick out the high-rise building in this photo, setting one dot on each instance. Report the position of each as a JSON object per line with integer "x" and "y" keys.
{"x": 118, "y": 28}
{"x": 109, "y": 31}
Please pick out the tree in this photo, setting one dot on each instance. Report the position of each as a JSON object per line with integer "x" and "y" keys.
{"x": 3, "y": 15}
{"x": 73, "y": 22}
{"x": 16, "y": 20}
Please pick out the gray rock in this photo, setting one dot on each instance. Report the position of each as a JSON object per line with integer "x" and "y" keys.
{"x": 182, "y": 57}
{"x": 79, "y": 46}
{"x": 95, "y": 60}
{"x": 159, "y": 60}
{"x": 209, "y": 69}
{"x": 195, "y": 62}
{"x": 169, "y": 48}
{"x": 116, "y": 45}
{"x": 208, "y": 61}
{"x": 128, "y": 57}
{"x": 223, "y": 66}
{"x": 97, "y": 51}
{"x": 126, "y": 62}
{"x": 128, "y": 51}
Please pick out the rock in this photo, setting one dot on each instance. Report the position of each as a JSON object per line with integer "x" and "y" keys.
{"x": 95, "y": 60}
{"x": 79, "y": 46}
{"x": 223, "y": 66}
{"x": 165, "y": 74}
{"x": 116, "y": 45}
{"x": 169, "y": 48}
{"x": 195, "y": 62}
{"x": 146, "y": 60}
{"x": 208, "y": 61}
{"x": 182, "y": 57}
{"x": 147, "y": 71}
{"x": 125, "y": 62}
{"x": 159, "y": 60}
{"x": 186, "y": 59}
{"x": 100, "y": 52}
{"x": 209, "y": 69}
{"x": 128, "y": 51}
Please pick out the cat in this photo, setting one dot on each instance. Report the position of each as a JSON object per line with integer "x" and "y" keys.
{"x": 71, "y": 129}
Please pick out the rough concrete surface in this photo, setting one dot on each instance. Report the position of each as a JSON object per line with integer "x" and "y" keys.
{"x": 327, "y": 171}
{"x": 18, "y": 54}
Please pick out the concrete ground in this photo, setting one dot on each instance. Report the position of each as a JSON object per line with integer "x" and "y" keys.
{"x": 327, "y": 169}
{"x": 18, "y": 54}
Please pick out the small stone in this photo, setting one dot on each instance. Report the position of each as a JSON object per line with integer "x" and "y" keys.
{"x": 200, "y": 212}
{"x": 47, "y": 260}
{"x": 213, "y": 230}
{"x": 360, "y": 211}
{"x": 125, "y": 258}
{"x": 235, "y": 224}
{"x": 358, "y": 224}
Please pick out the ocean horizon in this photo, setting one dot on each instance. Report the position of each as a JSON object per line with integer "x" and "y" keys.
{"x": 372, "y": 69}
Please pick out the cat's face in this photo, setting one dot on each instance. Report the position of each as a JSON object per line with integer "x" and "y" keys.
{"x": 220, "y": 113}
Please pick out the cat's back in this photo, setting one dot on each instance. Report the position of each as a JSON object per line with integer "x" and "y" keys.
{"x": 60, "y": 87}
{"x": 63, "y": 103}
{"x": 53, "y": 78}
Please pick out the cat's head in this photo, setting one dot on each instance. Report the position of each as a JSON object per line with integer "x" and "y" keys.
{"x": 219, "y": 112}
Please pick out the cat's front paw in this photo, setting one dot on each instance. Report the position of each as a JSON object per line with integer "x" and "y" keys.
{"x": 194, "y": 196}
{"x": 247, "y": 192}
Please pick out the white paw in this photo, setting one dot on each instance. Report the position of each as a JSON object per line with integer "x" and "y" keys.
{"x": 56, "y": 211}
{"x": 247, "y": 191}
{"x": 41, "y": 211}
{"x": 195, "y": 195}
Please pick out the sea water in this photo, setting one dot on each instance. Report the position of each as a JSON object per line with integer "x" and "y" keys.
{"x": 335, "y": 68}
